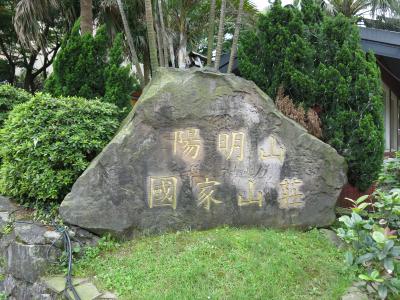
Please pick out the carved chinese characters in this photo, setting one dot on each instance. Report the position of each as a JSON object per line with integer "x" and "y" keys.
{"x": 188, "y": 145}
{"x": 231, "y": 145}
{"x": 205, "y": 193}
{"x": 271, "y": 149}
{"x": 162, "y": 191}
{"x": 203, "y": 149}
{"x": 290, "y": 195}
{"x": 253, "y": 197}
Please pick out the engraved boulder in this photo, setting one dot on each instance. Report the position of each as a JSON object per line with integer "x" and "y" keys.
{"x": 203, "y": 149}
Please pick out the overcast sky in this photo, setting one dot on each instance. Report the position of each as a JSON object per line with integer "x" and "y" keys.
{"x": 262, "y": 4}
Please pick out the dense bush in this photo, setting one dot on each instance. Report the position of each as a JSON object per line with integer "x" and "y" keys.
{"x": 85, "y": 68}
{"x": 390, "y": 175}
{"x": 319, "y": 61}
{"x": 47, "y": 142}
{"x": 372, "y": 231}
{"x": 9, "y": 97}
{"x": 374, "y": 242}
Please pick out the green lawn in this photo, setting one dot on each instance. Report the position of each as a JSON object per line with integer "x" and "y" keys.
{"x": 224, "y": 263}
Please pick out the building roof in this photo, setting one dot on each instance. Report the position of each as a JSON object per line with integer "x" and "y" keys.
{"x": 386, "y": 46}
{"x": 382, "y": 42}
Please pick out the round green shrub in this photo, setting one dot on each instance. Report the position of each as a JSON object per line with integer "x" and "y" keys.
{"x": 48, "y": 142}
{"x": 9, "y": 97}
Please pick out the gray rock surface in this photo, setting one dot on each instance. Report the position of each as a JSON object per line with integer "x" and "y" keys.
{"x": 27, "y": 249}
{"x": 26, "y": 262}
{"x": 30, "y": 233}
{"x": 202, "y": 149}
{"x": 21, "y": 290}
{"x": 6, "y": 204}
{"x": 333, "y": 238}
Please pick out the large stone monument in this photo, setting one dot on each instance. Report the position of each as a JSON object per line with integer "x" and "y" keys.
{"x": 203, "y": 149}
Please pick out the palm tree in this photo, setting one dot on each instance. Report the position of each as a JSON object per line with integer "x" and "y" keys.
{"x": 151, "y": 36}
{"x": 131, "y": 45}
{"x": 164, "y": 33}
{"x": 235, "y": 36}
{"x": 86, "y": 16}
{"x": 356, "y": 8}
{"x": 31, "y": 14}
{"x": 160, "y": 45}
{"x": 351, "y": 8}
{"x": 220, "y": 35}
{"x": 211, "y": 22}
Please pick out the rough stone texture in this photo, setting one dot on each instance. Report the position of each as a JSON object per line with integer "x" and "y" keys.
{"x": 21, "y": 290}
{"x": 333, "y": 238}
{"x": 30, "y": 233}
{"x": 26, "y": 262}
{"x": 86, "y": 291}
{"x": 203, "y": 149}
{"x": 25, "y": 255}
{"x": 6, "y": 204}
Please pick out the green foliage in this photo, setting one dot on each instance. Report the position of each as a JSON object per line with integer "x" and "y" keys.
{"x": 319, "y": 61}
{"x": 374, "y": 244}
{"x": 10, "y": 97}
{"x": 105, "y": 244}
{"x": 118, "y": 83}
{"x": 223, "y": 263}
{"x": 5, "y": 70}
{"x": 85, "y": 68}
{"x": 48, "y": 142}
{"x": 390, "y": 174}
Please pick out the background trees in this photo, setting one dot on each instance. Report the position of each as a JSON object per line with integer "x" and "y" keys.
{"x": 85, "y": 68}
{"x": 37, "y": 33}
{"x": 319, "y": 61}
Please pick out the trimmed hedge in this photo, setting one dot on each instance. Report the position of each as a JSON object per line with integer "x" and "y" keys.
{"x": 47, "y": 142}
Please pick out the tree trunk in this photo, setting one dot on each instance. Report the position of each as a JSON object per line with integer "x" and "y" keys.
{"x": 151, "y": 36}
{"x": 182, "y": 50}
{"x": 159, "y": 43}
{"x": 235, "y": 37}
{"x": 29, "y": 78}
{"x": 146, "y": 66}
{"x": 171, "y": 51}
{"x": 131, "y": 45}
{"x": 86, "y": 16}
{"x": 211, "y": 22}
{"x": 220, "y": 40}
{"x": 164, "y": 34}
{"x": 11, "y": 76}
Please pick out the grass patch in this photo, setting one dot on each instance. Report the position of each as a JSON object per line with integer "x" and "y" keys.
{"x": 224, "y": 263}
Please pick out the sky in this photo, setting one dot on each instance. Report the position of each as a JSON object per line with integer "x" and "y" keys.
{"x": 262, "y": 4}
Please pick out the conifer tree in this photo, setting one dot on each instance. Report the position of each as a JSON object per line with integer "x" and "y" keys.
{"x": 319, "y": 61}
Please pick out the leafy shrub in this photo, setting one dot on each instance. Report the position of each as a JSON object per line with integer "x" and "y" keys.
{"x": 48, "y": 142}
{"x": 9, "y": 97}
{"x": 319, "y": 61}
{"x": 118, "y": 82}
{"x": 390, "y": 175}
{"x": 85, "y": 68}
{"x": 374, "y": 241}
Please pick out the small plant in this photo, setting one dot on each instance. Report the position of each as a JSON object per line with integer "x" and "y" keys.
{"x": 375, "y": 246}
{"x": 8, "y": 228}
